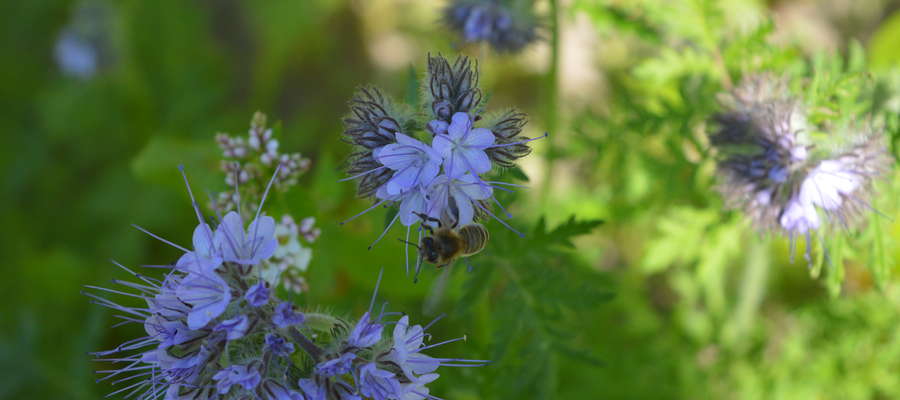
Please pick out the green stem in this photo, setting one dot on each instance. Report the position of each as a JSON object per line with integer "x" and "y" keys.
{"x": 751, "y": 291}
{"x": 314, "y": 351}
{"x": 551, "y": 99}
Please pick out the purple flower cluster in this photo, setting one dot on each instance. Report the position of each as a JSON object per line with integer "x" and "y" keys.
{"x": 253, "y": 159}
{"x": 433, "y": 164}
{"x": 216, "y": 330}
{"x": 507, "y": 26}
{"x": 771, "y": 169}
{"x": 245, "y": 161}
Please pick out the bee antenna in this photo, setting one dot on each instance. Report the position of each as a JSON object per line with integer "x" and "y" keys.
{"x": 408, "y": 242}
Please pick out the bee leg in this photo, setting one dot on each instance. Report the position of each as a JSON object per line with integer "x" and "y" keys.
{"x": 469, "y": 267}
{"x": 418, "y": 269}
{"x": 427, "y": 218}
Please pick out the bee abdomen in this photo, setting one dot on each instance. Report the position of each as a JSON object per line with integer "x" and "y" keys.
{"x": 474, "y": 237}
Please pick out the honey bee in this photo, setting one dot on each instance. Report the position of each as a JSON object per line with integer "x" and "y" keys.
{"x": 445, "y": 245}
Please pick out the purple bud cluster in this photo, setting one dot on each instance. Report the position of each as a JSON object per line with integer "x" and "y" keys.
{"x": 216, "y": 330}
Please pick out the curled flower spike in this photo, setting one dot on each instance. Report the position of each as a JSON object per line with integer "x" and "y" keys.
{"x": 442, "y": 180}
{"x": 779, "y": 176}
{"x": 453, "y": 89}
{"x": 214, "y": 330}
{"x": 507, "y": 27}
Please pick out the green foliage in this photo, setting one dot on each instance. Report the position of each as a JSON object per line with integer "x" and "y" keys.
{"x": 536, "y": 294}
{"x": 704, "y": 306}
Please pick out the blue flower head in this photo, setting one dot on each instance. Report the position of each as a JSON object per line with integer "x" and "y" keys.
{"x": 434, "y": 167}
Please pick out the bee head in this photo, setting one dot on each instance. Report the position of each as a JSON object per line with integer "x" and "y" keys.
{"x": 428, "y": 249}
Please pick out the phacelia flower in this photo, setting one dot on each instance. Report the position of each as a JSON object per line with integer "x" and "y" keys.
{"x": 258, "y": 295}
{"x": 405, "y": 353}
{"x": 433, "y": 167}
{"x": 285, "y": 316}
{"x": 245, "y": 376}
{"x": 413, "y": 163}
{"x": 312, "y": 390}
{"x": 463, "y": 147}
{"x": 506, "y": 26}
{"x": 337, "y": 366}
{"x": 252, "y": 246}
{"x": 366, "y": 333}
{"x": 214, "y": 330}
{"x": 783, "y": 179}
{"x": 458, "y": 198}
{"x": 377, "y": 383}
{"x": 234, "y": 328}
{"x": 207, "y": 294}
{"x": 278, "y": 345}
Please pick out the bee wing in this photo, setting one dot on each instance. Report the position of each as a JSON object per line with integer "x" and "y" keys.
{"x": 436, "y": 294}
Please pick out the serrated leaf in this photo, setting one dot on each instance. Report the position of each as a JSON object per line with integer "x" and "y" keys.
{"x": 563, "y": 233}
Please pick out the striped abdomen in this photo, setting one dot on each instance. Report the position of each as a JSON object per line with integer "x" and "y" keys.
{"x": 474, "y": 238}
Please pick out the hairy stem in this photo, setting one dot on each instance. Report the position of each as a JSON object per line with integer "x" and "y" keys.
{"x": 314, "y": 351}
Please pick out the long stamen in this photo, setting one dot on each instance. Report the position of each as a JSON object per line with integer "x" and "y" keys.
{"x": 362, "y": 174}
{"x": 195, "y": 205}
{"x": 363, "y": 212}
{"x": 520, "y": 234}
{"x": 418, "y": 258}
{"x": 406, "y": 249}
{"x": 494, "y": 146}
{"x": 375, "y": 292}
{"x": 385, "y": 231}
{"x": 160, "y": 239}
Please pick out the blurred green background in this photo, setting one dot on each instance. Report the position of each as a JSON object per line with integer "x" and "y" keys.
{"x": 102, "y": 100}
